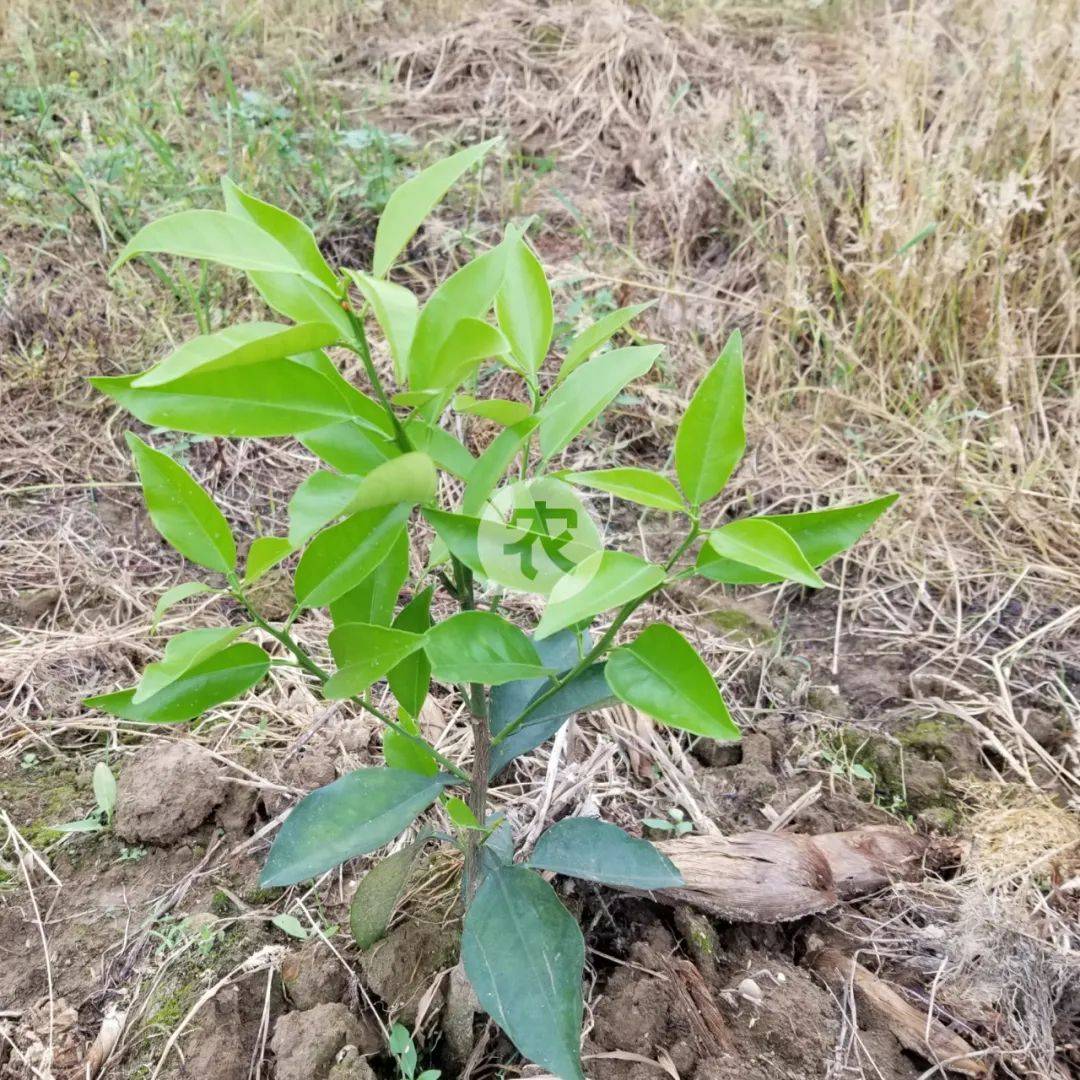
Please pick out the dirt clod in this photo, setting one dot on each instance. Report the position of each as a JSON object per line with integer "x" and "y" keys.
{"x": 166, "y": 792}
{"x": 306, "y": 1043}
{"x": 312, "y": 976}
{"x": 401, "y": 966}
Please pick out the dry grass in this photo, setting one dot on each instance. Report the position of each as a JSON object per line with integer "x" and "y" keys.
{"x": 884, "y": 200}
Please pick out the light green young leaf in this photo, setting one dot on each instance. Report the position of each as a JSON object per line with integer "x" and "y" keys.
{"x": 410, "y": 680}
{"x": 363, "y": 409}
{"x": 524, "y": 955}
{"x": 104, "y": 789}
{"x": 290, "y": 232}
{"x": 400, "y": 752}
{"x": 523, "y": 306}
{"x": 265, "y": 553}
{"x": 217, "y": 237}
{"x": 276, "y": 397}
{"x": 588, "y": 341}
{"x": 765, "y": 546}
{"x": 182, "y": 653}
{"x": 638, "y": 485}
{"x": 222, "y": 677}
{"x": 445, "y": 450}
{"x": 396, "y": 311}
{"x": 577, "y": 402}
{"x": 482, "y": 647}
{"x": 820, "y": 534}
{"x": 90, "y": 824}
{"x": 661, "y": 674}
{"x": 320, "y": 499}
{"x": 374, "y": 599}
{"x": 604, "y": 580}
{"x": 181, "y": 511}
{"x": 493, "y": 463}
{"x": 599, "y": 851}
{"x": 352, "y": 816}
{"x": 498, "y": 410}
{"x": 409, "y": 478}
{"x": 245, "y": 343}
{"x": 415, "y": 399}
{"x": 468, "y": 343}
{"x": 460, "y": 814}
{"x": 174, "y": 596}
{"x": 711, "y": 439}
{"x": 363, "y": 653}
{"x": 415, "y": 199}
{"x": 340, "y": 557}
{"x": 349, "y": 447}
{"x": 291, "y": 925}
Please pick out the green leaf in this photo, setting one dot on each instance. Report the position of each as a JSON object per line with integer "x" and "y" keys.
{"x": 396, "y": 311}
{"x": 246, "y": 343}
{"x": 446, "y": 451}
{"x": 820, "y": 534}
{"x": 374, "y": 599}
{"x": 223, "y": 676}
{"x": 482, "y": 647}
{"x": 182, "y": 653}
{"x": 104, "y": 789}
{"x": 460, "y": 814}
{"x": 349, "y": 447}
{"x": 340, "y": 557}
{"x": 638, "y": 485}
{"x": 468, "y": 343}
{"x": 661, "y": 674}
{"x": 291, "y": 925}
{"x": 265, "y": 552}
{"x": 604, "y": 580}
{"x": 409, "y": 478}
{"x": 524, "y": 955}
{"x": 711, "y": 439}
{"x": 588, "y": 341}
{"x": 415, "y": 199}
{"x": 523, "y": 305}
{"x": 764, "y": 546}
{"x": 276, "y": 397}
{"x": 181, "y": 511}
{"x": 410, "y": 680}
{"x": 578, "y": 401}
{"x": 379, "y": 893}
{"x": 363, "y": 653}
{"x": 352, "y": 816}
{"x": 400, "y": 752}
{"x": 321, "y": 498}
{"x": 493, "y": 463}
{"x": 361, "y": 407}
{"x": 598, "y": 851}
{"x": 217, "y": 237}
{"x": 466, "y": 294}
{"x": 174, "y": 596}
{"x": 90, "y": 824}
{"x": 498, "y": 410}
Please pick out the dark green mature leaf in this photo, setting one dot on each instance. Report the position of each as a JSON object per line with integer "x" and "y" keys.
{"x": 340, "y": 557}
{"x": 642, "y": 486}
{"x": 482, "y": 647}
{"x": 577, "y": 402}
{"x": 396, "y": 311}
{"x": 820, "y": 534}
{"x": 222, "y": 677}
{"x": 352, "y": 816}
{"x": 560, "y": 652}
{"x": 379, "y": 893}
{"x": 350, "y": 447}
{"x": 401, "y": 752}
{"x": 321, "y": 498}
{"x": 374, "y": 599}
{"x": 589, "y": 690}
{"x": 183, "y": 652}
{"x": 245, "y": 343}
{"x": 410, "y": 680}
{"x": 217, "y": 237}
{"x": 523, "y": 305}
{"x": 599, "y": 851}
{"x": 589, "y": 340}
{"x": 276, "y": 397}
{"x": 711, "y": 438}
{"x": 524, "y": 955}
{"x": 410, "y": 203}
{"x": 363, "y": 653}
{"x": 764, "y": 546}
{"x": 661, "y": 674}
{"x": 604, "y": 580}
{"x": 181, "y": 511}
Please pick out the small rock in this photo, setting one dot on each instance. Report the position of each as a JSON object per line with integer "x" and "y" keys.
{"x": 306, "y": 1044}
{"x": 312, "y": 976}
{"x": 750, "y": 991}
{"x": 237, "y": 807}
{"x": 165, "y": 792}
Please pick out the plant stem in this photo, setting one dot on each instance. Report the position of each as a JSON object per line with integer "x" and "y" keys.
{"x": 364, "y": 352}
